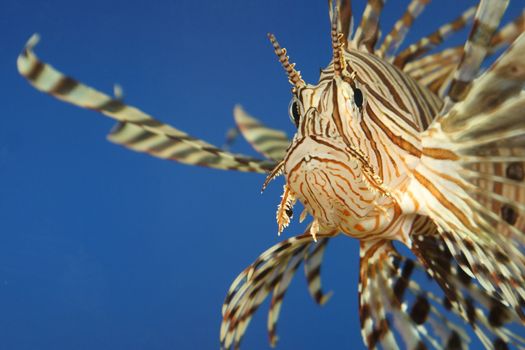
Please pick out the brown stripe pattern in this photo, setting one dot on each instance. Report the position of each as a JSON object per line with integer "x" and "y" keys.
{"x": 269, "y": 142}
{"x": 433, "y": 40}
{"x": 397, "y": 35}
{"x": 486, "y": 21}
{"x": 398, "y": 310}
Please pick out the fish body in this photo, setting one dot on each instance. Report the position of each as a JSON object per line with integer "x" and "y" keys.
{"x": 427, "y": 149}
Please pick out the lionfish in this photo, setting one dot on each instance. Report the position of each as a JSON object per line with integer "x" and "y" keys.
{"x": 422, "y": 147}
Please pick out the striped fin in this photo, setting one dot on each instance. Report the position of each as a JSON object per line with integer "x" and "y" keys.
{"x": 394, "y": 307}
{"x": 499, "y": 183}
{"x": 435, "y": 71}
{"x": 480, "y": 211}
{"x": 433, "y": 40}
{"x": 491, "y": 321}
{"x": 502, "y": 82}
{"x": 468, "y": 230}
{"x": 508, "y": 33}
{"x": 136, "y": 129}
{"x": 312, "y": 270}
{"x": 487, "y": 129}
{"x": 397, "y": 35}
{"x": 398, "y": 309}
{"x": 367, "y": 33}
{"x": 278, "y": 294}
{"x": 271, "y": 273}
{"x": 269, "y": 142}
{"x": 491, "y": 257}
{"x": 182, "y": 150}
{"x": 486, "y": 22}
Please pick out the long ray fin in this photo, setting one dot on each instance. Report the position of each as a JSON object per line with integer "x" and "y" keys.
{"x": 397, "y": 35}
{"x": 367, "y": 33}
{"x": 271, "y": 273}
{"x": 508, "y": 33}
{"x": 394, "y": 311}
{"x": 183, "y": 149}
{"x": 479, "y": 211}
{"x": 436, "y": 71}
{"x": 312, "y": 270}
{"x": 433, "y": 40}
{"x": 398, "y": 310}
{"x": 491, "y": 321}
{"x": 486, "y": 22}
{"x": 136, "y": 130}
{"x": 269, "y": 142}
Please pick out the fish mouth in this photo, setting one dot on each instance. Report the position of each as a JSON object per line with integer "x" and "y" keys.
{"x": 329, "y": 180}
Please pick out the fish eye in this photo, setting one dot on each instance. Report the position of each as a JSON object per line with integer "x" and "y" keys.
{"x": 358, "y": 97}
{"x": 294, "y": 111}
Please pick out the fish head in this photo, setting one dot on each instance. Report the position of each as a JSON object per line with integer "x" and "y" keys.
{"x": 324, "y": 166}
